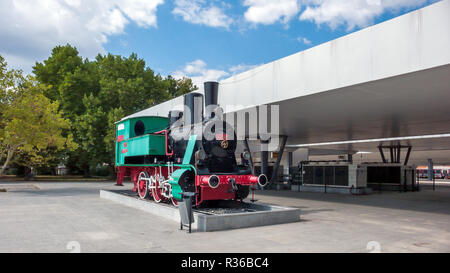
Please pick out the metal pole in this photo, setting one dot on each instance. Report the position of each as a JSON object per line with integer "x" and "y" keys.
{"x": 264, "y": 162}
{"x": 290, "y": 174}
{"x": 301, "y": 175}
{"x": 430, "y": 170}
{"x": 290, "y": 159}
{"x": 406, "y": 180}
{"x": 418, "y": 182}
{"x": 350, "y": 158}
{"x": 264, "y": 158}
{"x": 190, "y": 223}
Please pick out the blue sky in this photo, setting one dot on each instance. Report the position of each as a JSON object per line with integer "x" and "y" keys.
{"x": 206, "y": 40}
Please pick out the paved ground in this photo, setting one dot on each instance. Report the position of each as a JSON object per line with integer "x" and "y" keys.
{"x": 55, "y": 217}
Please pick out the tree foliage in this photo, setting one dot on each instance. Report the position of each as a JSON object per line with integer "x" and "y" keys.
{"x": 95, "y": 94}
{"x": 32, "y": 124}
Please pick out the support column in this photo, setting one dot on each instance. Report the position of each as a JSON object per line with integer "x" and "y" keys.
{"x": 247, "y": 147}
{"x": 380, "y": 148}
{"x": 350, "y": 158}
{"x": 407, "y": 155}
{"x": 430, "y": 170}
{"x": 289, "y": 161}
{"x": 264, "y": 157}
{"x": 280, "y": 156}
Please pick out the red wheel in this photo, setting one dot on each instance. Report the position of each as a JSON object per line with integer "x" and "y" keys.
{"x": 157, "y": 191}
{"x": 142, "y": 185}
{"x": 174, "y": 201}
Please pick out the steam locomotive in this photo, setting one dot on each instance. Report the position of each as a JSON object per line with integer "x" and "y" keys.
{"x": 189, "y": 151}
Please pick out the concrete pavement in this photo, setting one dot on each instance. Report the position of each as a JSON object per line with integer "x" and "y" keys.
{"x": 60, "y": 217}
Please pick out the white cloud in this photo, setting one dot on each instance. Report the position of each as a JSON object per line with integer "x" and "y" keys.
{"x": 334, "y": 13}
{"x": 242, "y": 68}
{"x": 268, "y": 11}
{"x": 30, "y": 29}
{"x": 351, "y": 13}
{"x": 304, "y": 40}
{"x": 200, "y": 73}
{"x": 198, "y": 12}
{"x": 143, "y": 12}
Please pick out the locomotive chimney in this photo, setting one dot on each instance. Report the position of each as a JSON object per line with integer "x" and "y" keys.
{"x": 211, "y": 97}
{"x": 193, "y": 108}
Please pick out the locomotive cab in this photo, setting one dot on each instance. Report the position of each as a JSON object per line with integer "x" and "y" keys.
{"x": 138, "y": 140}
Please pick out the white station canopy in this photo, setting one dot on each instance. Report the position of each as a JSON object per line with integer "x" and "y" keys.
{"x": 386, "y": 84}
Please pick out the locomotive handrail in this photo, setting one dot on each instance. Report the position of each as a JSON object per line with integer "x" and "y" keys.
{"x": 167, "y": 142}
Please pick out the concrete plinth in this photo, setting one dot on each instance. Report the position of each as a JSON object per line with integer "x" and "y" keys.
{"x": 256, "y": 214}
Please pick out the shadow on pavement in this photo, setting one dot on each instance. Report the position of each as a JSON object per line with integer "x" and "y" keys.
{"x": 426, "y": 200}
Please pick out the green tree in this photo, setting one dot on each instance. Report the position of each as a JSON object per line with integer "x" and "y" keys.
{"x": 75, "y": 85}
{"x": 70, "y": 80}
{"x": 11, "y": 82}
{"x": 128, "y": 83}
{"x": 179, "y": 87}
{"x": 95, "y": 94}
{"x": 64, "y": 60}
{"x": 33, "y": 124}
{"x": 91, "y": 128}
